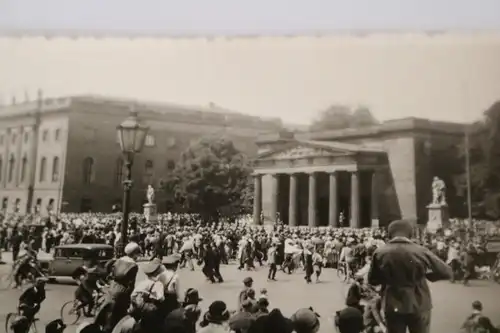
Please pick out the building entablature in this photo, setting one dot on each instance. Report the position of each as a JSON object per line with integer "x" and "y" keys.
{"x": 302, "y": 156}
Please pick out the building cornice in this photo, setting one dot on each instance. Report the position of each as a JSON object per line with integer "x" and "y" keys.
{"x": 213, "y": 115}
{"x": 405, "y": 125}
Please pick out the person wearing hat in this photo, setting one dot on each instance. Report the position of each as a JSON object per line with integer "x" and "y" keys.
{"x": 170, "y": 279}
{"x": 31, "y": 299}
{"x": 402, "y": 269}
{"x": 272, "y": 261}
{"x": 274, "y": 322}
{"x": 151, "y": 287}
{"x": 55, "y": 326}
{"x": 247, "y": 283}
{"x": 214, "y": 319}
{"x": 308, "y": 262}
{"x": 147, "y": 297}
{"x": 124, "y": 273}
{"x": 90, "y": 278}
{"x": 241, "y": 321}
{"x": 305, "y": 321}
{"x": 349, "y": 320}
{"x": 186, "y": 316}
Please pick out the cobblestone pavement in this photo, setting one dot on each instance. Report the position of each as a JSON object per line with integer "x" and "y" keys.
{"x": 451, "y": 301}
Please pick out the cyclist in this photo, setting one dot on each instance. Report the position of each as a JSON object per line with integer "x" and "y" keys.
{"x": 90, "y": 280}
{"x": 24, "y": 265}
{"x": 31, "y": 299}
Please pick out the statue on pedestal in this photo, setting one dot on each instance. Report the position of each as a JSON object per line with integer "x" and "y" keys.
{"x": 150, "y": 194}
{"x": 150, "y": 206}
{"x": 438, "y": 191}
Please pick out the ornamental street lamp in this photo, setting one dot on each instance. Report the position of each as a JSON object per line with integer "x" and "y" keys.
{"x": 131, "y": 134}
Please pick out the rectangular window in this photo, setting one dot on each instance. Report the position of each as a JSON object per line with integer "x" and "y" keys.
{"x": 45, "y": 135}
{"x": 150, "y": 141}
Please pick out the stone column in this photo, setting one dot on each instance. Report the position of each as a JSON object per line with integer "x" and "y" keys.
{"x": 274, "y": 199}
{"x": 292, "y": 208}
{"x": 332, "y": 203}
{"x": 257, "y": 199}
{"x": 354, "y": 200}
{"x": 374, "y": 200}
{"x": 312, "y": 200}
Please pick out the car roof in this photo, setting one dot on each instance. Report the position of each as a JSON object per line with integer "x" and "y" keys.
{"x": 85, "y": 246}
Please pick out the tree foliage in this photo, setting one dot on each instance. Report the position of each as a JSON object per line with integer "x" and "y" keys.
{"x": 484, "y": 152}
{"x": 341, "y": 116}
{"x": 211, "y": 179}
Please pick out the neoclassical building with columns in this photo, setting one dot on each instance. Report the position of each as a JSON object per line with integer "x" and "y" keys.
{"x": 354, "y": 177}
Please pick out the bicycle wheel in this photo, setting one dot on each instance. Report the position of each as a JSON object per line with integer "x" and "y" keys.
{"x": 6, "y": 281}
{"x": 69, "y": 313}
{"x": 8, "y": 321}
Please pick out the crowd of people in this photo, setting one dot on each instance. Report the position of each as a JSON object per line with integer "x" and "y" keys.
{"x": 158, "y": 304}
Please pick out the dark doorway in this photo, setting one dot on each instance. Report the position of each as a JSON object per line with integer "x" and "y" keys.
{"x": 344, "y": 198}
{"x": 284, "y": 197}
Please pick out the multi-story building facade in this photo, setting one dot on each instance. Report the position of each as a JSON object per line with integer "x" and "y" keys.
{"x": 62, "y": 154}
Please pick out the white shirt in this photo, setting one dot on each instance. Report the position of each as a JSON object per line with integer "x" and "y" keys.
{"x": 170, "y": 281}
{"x": 153, "y": 288}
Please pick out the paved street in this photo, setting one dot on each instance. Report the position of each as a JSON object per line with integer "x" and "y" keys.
{"x": 451, "y": 301}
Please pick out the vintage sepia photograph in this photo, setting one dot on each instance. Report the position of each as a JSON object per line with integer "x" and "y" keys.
{"x": 207, "y": 167}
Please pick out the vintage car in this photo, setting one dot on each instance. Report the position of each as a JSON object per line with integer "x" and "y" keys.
{"x": 67, "y": 258}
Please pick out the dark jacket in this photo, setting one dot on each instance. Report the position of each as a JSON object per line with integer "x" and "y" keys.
{"x": 32, "y": 296}
{"x": 401, "y": 268}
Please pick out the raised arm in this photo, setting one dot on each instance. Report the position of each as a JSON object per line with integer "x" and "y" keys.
{"x": 439, "y": 270}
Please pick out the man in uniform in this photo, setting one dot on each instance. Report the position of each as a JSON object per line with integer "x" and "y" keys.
{"x": 402, "y": 268}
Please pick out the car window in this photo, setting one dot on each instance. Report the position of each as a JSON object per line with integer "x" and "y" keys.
{"x": 76, "y": 253}
{"x": 68, "y": 253}
{"x": 59, "y": 253}
{"x": 105, "y": 254}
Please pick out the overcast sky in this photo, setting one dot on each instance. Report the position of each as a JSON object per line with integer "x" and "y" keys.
{"x": 248, "y": 16}
{"x": 449, "y": 77}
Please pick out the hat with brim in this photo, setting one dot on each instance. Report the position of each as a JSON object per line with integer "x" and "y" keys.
{"x": 193, "y": 295}
{"x": 217, "y": 312}
{"x": 151, "y": 268}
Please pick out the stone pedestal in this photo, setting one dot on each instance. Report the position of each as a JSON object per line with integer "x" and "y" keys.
{"x": 150, "y": 213}
{"x": 438, "y": 217}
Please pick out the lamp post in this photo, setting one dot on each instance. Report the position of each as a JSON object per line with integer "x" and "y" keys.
{"x": 131, "y": 134}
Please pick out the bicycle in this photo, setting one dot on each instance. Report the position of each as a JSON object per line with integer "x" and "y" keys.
{"x": 342, "y": 272}
{"x": 13, "y": 315}
{"x": 75, "y": 308}
{"x": 8, "y": 281}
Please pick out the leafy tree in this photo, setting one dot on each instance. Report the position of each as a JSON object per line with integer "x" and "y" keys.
{"x": 211, "y": 179}
{"x": 484, "y": 143}
{"x": 341, "y": 116}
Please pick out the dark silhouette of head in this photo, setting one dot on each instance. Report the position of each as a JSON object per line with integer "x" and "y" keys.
{"x": 400, "y": 228}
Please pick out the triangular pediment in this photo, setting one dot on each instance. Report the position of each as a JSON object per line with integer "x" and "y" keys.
{"x": 304, "y": 150}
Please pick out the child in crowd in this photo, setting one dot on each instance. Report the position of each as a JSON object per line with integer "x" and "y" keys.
{"x": 477, "y": 322}
{"x": 263, "y": 293}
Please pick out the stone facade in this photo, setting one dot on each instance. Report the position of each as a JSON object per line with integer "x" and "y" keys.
{"x": 65, "y": 153}
{"x": 378, "y": 173}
